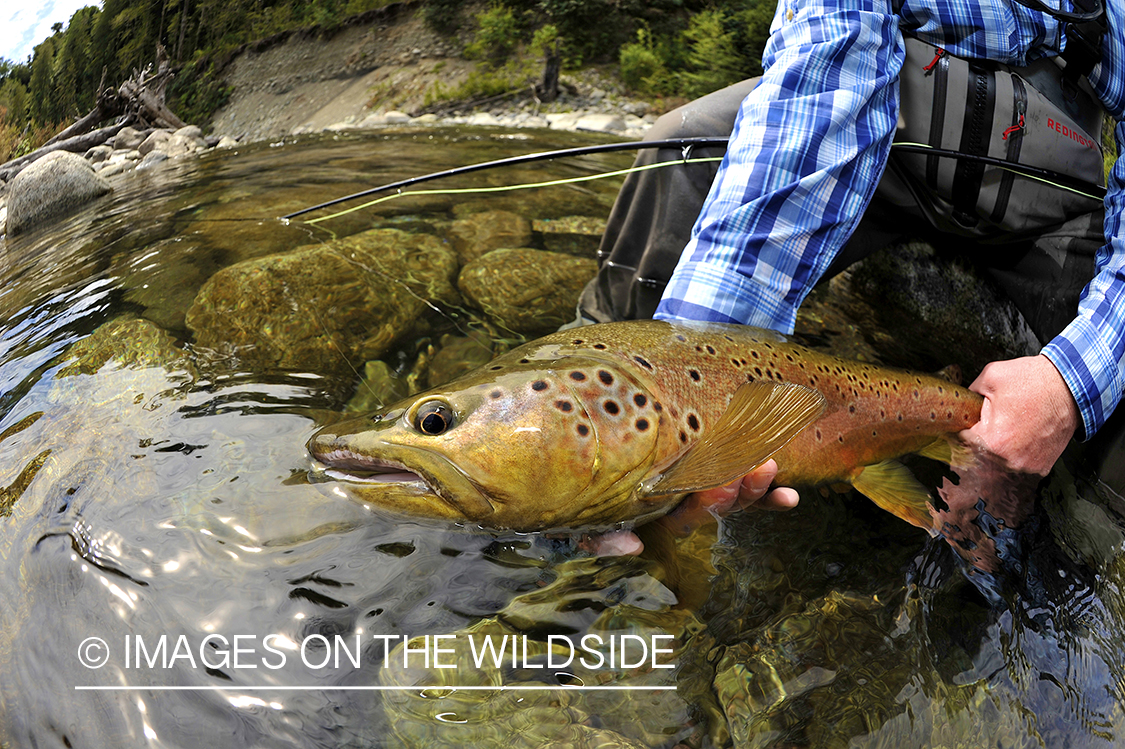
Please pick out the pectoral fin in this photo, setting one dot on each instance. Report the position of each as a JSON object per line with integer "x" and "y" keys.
{"x": 939, "y": 450}
{"x": 893, "y": 487}
{"x": 950, "y": 451}
{"x": 760, "y": 420}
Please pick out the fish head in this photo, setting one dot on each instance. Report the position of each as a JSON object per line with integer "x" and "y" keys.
{"x": 533, "y": 445}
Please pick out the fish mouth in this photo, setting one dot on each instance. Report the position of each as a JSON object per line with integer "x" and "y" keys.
{"x": 396, "y": 471}
{"x": 345, "y": 465}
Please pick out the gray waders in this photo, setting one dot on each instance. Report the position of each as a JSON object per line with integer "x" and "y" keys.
{"x": 651, "y": 222}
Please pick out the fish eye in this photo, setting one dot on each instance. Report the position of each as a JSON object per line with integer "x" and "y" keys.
{"x": 433, "y": 418}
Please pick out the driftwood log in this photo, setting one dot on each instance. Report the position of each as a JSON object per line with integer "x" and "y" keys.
{"x": 138, "y": 102}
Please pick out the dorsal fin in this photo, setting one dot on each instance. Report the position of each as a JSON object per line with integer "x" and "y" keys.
{"x": 761, "y": 418}
{"x": 950, "y": 373}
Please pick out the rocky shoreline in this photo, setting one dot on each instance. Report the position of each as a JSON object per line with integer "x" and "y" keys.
{"x": 584, "y": 108}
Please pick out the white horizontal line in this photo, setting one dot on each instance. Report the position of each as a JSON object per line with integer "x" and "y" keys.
{"x": 418, "y": 688}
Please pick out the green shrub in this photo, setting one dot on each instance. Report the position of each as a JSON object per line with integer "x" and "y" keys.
{"x": 443, "y": 16}
{"x": 713, "y": 59}
{"x": 496, "y": 36}
{"x": 638, "y": 62}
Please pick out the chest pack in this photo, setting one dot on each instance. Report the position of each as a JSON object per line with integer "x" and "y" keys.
{"x": 989, "y": 150}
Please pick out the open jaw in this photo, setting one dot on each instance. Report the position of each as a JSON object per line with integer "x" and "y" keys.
{"x": 432, "y": 486}
{"x": 344, "y": 465}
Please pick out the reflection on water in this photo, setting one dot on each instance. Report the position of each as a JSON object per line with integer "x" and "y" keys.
{"x": 153, "y": 498}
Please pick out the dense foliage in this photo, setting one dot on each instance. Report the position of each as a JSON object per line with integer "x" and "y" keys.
{"x": 665, "y": 47}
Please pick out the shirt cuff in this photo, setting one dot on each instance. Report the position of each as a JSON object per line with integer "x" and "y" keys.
{"x": 723, "y": 295}
{"x": 1084, "y": 358}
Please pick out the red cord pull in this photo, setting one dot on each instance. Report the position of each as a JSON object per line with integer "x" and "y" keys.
{"x": 1013, "y": 129}
{"x": 940, "y": 53}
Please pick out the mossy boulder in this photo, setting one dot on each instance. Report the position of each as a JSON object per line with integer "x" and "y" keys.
{"x": 526, "y": 291}
{"x": 928, "y": 307}
{"x": 131, "y": 342}
{"x": 481, "y": 233}
{"x": 325, "y": 308}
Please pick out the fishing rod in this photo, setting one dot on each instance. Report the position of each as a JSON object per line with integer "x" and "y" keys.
{"x": 686, "y": 145}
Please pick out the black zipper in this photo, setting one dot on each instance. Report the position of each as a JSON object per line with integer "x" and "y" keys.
{"x": 1014, "y": 135}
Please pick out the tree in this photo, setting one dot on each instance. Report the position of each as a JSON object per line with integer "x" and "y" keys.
{"x": 42, "y": 65}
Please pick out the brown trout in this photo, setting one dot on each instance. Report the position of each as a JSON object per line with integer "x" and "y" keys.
{"x": 612, "y": 424}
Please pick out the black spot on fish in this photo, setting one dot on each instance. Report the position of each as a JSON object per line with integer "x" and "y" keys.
{"x": 699, "y": 349}
{"x": 694, "y": 375}
{"x": 564, "y": 406}
{"x": 680, "y": 338}
{"x": 539, "y": 385}
{"x": 900, "y": 417}
{"x": 642, "y": 362}
{"x": 710, "y": 349}
{"x": 683, "y": 436}
{"x": 605, "y": 377}
{"x": 851, "y": 408}
{"x": 736, "y": 362}
{"x": 819, "y": 436}
{"x": 611, "y": 408}
{"x": 840, "y": 438}
{"x": 729, "y": 338}
{"x": 640, "y": 399}
{"x": 693, "y": 422}
{"x": 758, "y": 371}
{"x": 583, "y": 430}
{"x": 577, "y": 341}
{"x": 525, "y": 361}
{"x": 642, "y": 424}
{"x": 495, "y": 394}
{"x": 656, "y": 405}
{"x": 496, "y": 368}
{"x": 578, "y": 376}
{"x": 599, "y": 346}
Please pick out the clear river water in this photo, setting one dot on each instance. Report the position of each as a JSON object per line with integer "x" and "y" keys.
{"x": 169, "y": 578}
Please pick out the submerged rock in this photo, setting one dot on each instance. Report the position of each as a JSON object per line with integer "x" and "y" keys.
{"x": 457, "y": 355}
{"x": 925, "y": 307}
{"x": 131, "y": 342}
{"x": 574, "y": 235}
{"x": 526, "y": 291}
{"x": 326, "y": 308}
{"x": 52, "y": 186}
{"x": 478, "y": 234}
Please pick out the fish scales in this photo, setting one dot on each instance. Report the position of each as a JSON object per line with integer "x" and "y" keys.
{"x": 577, "y": 427}
{"x": 870, "y": 410}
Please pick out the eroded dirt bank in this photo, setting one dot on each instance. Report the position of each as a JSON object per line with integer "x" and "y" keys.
{"x": 378, "y": 72}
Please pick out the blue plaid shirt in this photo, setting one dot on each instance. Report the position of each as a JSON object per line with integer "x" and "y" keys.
{"x": 812, "y": 140}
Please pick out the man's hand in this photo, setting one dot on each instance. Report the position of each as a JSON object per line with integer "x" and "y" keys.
{"x": 1028, "y": 416}
{"x": 751, "y": 491}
